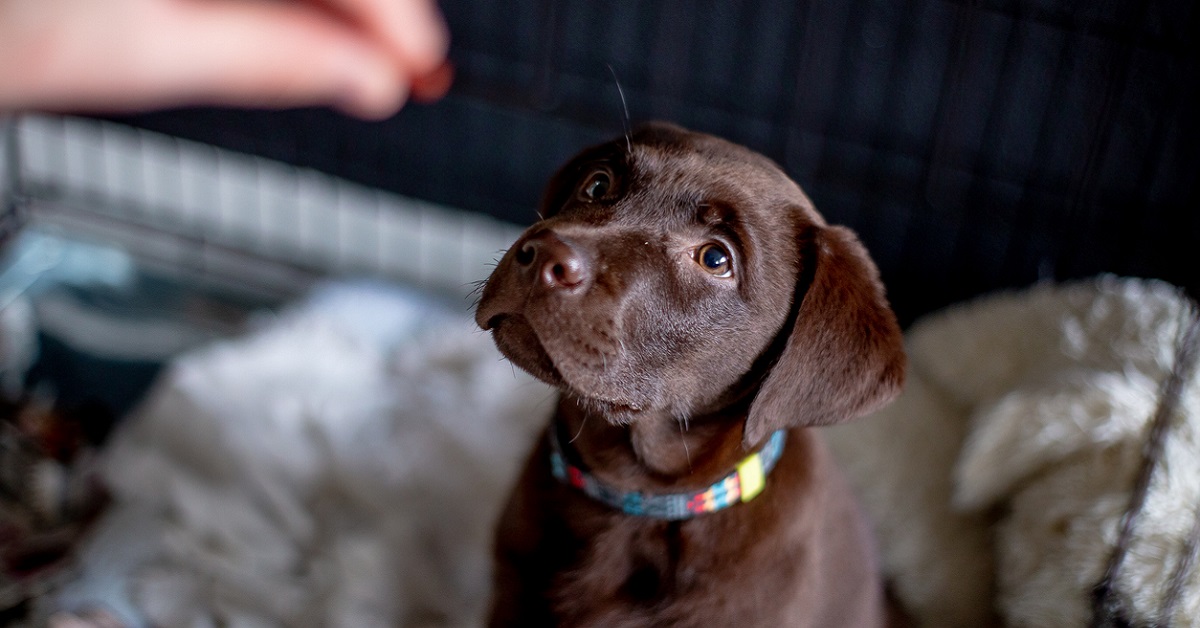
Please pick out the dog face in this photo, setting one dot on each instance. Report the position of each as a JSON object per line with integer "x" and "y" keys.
{"x": 676, "y": 273}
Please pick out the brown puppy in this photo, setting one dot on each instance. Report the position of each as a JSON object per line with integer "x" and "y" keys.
{"x": 690, "y": 303}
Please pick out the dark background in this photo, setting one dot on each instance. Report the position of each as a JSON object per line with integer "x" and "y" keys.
{"x": 973, "y": 145}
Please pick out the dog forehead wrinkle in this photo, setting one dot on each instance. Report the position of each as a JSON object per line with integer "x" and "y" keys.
{"x": 701, "y": 161}
{"x": 677, "y": 194}
{"x": 652, "y": 209}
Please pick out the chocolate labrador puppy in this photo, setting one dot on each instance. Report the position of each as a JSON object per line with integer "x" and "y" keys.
{"x": 698, "y": 316}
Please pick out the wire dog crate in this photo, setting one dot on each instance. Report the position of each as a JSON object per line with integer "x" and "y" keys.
{"x": 220, "y": 217}
{"x": 203, "y": 238}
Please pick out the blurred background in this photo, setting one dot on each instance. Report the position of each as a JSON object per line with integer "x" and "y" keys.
{"x": 974, "y": 145}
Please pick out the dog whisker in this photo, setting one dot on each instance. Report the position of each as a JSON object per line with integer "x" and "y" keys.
{"x": 624, "y": 108}
{"x": 477, "y": 290}
{"x": 683, "y": 439}
{"x": 580, "y": 432}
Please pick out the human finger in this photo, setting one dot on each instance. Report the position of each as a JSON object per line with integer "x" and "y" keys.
{"x": 273, "y": 54}
{"x": 413, "y": 29}
{"x": 106, "y": 55}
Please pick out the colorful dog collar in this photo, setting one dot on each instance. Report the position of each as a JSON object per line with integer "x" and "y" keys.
{"x": 743, "y": 484}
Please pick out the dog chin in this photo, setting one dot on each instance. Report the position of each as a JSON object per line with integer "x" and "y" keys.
{"x": 537, "y": 362}
{"x": 517, "y": 341}
{"x": 613, "y": 411}
{"x": 603, "y": 394}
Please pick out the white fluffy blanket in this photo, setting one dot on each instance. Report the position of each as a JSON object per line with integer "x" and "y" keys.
{"x": 342, "y": 466}
{"x": 999, "y": 478}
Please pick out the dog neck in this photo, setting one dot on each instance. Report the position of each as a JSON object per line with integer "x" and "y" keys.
{"x": 656, "y": 451}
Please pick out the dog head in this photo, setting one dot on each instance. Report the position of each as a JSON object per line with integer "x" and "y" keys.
{"x": 678, "y": 274}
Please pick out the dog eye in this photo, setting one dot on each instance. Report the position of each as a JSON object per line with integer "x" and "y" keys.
{"x": 596, "y": 186}
{"x": 715, "y": 259}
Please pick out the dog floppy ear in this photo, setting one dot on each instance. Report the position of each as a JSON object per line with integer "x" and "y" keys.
{"x": 844, "y": 355}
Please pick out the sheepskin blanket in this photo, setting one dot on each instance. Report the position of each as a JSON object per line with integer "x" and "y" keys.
{"x": 999, "y": 479}
{"x": 342, "y": 465}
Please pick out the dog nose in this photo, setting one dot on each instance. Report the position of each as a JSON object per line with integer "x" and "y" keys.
{"x": 556, "y": 262}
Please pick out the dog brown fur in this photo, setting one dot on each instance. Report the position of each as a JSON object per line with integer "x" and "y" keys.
{"x": 671, "y": 373}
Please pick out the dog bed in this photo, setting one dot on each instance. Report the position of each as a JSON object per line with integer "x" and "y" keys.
{"x": 1000, "y": 480}
{"x": 342, "y": 465}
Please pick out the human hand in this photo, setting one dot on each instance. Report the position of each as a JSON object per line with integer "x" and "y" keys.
{"x": 362, "y": 56}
